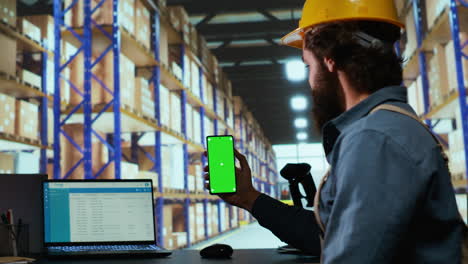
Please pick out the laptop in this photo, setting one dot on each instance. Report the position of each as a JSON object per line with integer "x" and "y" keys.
{"x": 99, "y": 218}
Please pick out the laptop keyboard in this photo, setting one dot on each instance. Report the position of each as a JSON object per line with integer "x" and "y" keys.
{"x": 98, "y": 248}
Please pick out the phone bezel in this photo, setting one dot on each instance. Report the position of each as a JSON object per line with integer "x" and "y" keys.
{"x": 208, "y": 161}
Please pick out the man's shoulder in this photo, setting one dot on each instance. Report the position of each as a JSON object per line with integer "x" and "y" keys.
{"x": 394, "y": 128}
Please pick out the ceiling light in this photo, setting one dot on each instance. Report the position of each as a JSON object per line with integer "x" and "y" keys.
{"x": 298, "y": 103}
{"x": 302, "y": 136}
{"x": 295, "y": 70}
{"x": 300, "y": 123}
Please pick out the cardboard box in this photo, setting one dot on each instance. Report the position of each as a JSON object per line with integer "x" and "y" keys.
{"x": 179, "y": 239}
{"x": 165, "y": 106}
{"x": 144, "y": 102}
{"x": 27, "y": 123}
{"x": 8, "y": 12}
{"x": 167, "y": 229}
{"x": 7, "y": 163}
{"x": 200, "y": 221}
{"x": 197, "y": 127}
{"x": 192, "y": 221}
{"x": 7, "y": 114}
{"x": 176, "y": 116}
{"x": 438, "y": 82}
{"x": 179, "y": 18}
{"x": 143, "y": 24}
{"x": 29, "y": 29}
{"x": 163, "y": 46}
{"x": 148, "y": 175}
{"x": 195, "y": 86}
{"x": 8, "y": 64}
{"x": 31, "y": 78}
{"x": 215, "y": 222}
{"x": 50, "y": 126}
{"x": 46, "y": 25}
{"x": 451, "y": 65}
{"x": 103, "y": 15}
{"x": 411, "y": 44}
{"x": 187, "y": 72}
{"x": 434, "y": 9}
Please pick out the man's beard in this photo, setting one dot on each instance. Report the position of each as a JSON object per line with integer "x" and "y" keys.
{"x": 328, "y": 98}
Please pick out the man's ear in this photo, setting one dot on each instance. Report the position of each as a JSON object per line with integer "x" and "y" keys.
{"x": 330, "y": 64}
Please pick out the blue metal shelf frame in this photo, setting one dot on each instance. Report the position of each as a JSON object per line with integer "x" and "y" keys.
{"x": 183, "y": 99}
{"x": 156, "y": 79}
{"x": 44, "y": 116}
{"x": 459, "y": 57}
{"x": 86, "y": 104}
{"x": 418, "y": 21}
{"x": 202, "y": 134}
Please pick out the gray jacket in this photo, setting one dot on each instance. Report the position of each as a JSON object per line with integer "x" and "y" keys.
{"x": 388, "y": 199}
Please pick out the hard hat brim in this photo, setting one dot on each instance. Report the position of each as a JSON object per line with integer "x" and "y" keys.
{"x": 295, "y": 38}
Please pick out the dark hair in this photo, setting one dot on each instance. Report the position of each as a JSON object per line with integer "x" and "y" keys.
{"x": 368, "y": 68}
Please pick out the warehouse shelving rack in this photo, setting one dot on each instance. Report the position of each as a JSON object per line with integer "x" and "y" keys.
{"x": 448, "y": 18}
{"x": 447, "y": 27}
{"x": 19, "y": 89}
{"x": 120, "y": 41}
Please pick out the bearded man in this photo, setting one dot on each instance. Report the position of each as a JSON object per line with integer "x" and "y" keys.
{"x": 388, "y": 196}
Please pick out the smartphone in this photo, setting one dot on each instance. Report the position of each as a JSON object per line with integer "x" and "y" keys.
{"x": 222, "y": 166}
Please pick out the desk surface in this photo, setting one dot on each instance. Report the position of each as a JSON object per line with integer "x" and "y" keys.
{"x": 257, "y": 256}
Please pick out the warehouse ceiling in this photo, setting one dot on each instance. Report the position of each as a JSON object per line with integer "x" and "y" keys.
{"x": 244, "y": 35}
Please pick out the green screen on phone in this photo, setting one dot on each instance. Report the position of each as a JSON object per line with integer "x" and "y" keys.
{"x": 221, "y": 162}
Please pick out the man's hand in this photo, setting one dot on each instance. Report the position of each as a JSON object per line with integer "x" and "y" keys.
{"x": 246, "y": 193}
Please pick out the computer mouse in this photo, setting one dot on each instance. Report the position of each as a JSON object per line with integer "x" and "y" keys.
{"x": 218, "y": 251}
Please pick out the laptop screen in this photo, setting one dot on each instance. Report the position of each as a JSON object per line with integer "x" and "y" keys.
{"x": 98, "y": 211}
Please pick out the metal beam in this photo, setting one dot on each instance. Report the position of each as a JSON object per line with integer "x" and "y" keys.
{"x": 268, "y": 15}
{"x": 206, "y": 19}
{"x": 257, "y": 53}
{"x": 197, "y": 7}
{"x": 253, "y": 30}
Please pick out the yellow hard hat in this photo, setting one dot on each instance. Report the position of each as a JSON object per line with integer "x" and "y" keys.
{"x": 317, "y": 12}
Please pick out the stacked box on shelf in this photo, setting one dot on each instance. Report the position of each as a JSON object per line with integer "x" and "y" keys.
{"x": 8, "y": 12}
{"x": 457, "y": 157}
{"x": 27, "y": 120}
{"x": 176, "y": 115}
{"x": 7, "y": 114}
{"x": 165, "y": 108}
{"x": 180, "y": 21}
{"x": 197, "y": 127}
{"x": 438, "y": 83}
{"x": 45, "y": 24}
{"x": 433, "y": 11}
{"x": 214, "y": 222}
{"x": 416, "y": 97}
{"x": 451, "y": 65}
{"x": 193, "y": 42}
{"x": 167, "y": 226}
{"x": 142, "y": 23}
{"x": 178, "y": 226}
{"x": 143, "y": 97}
{"x": 193, "y": 225}
{"x": 220, "y": 104}
{"x": 25, "y": 26}
{"x": 104, "y": 14}
{"x": 200, "y": 222}
{"x": 401, "y": 6}
{"x": 8, "y": 64}
{"x": 411, "y": 42}
{"x": 209, "y": 126}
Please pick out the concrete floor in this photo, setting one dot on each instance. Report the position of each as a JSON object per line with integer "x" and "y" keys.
{"x": 246, "y": 237}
